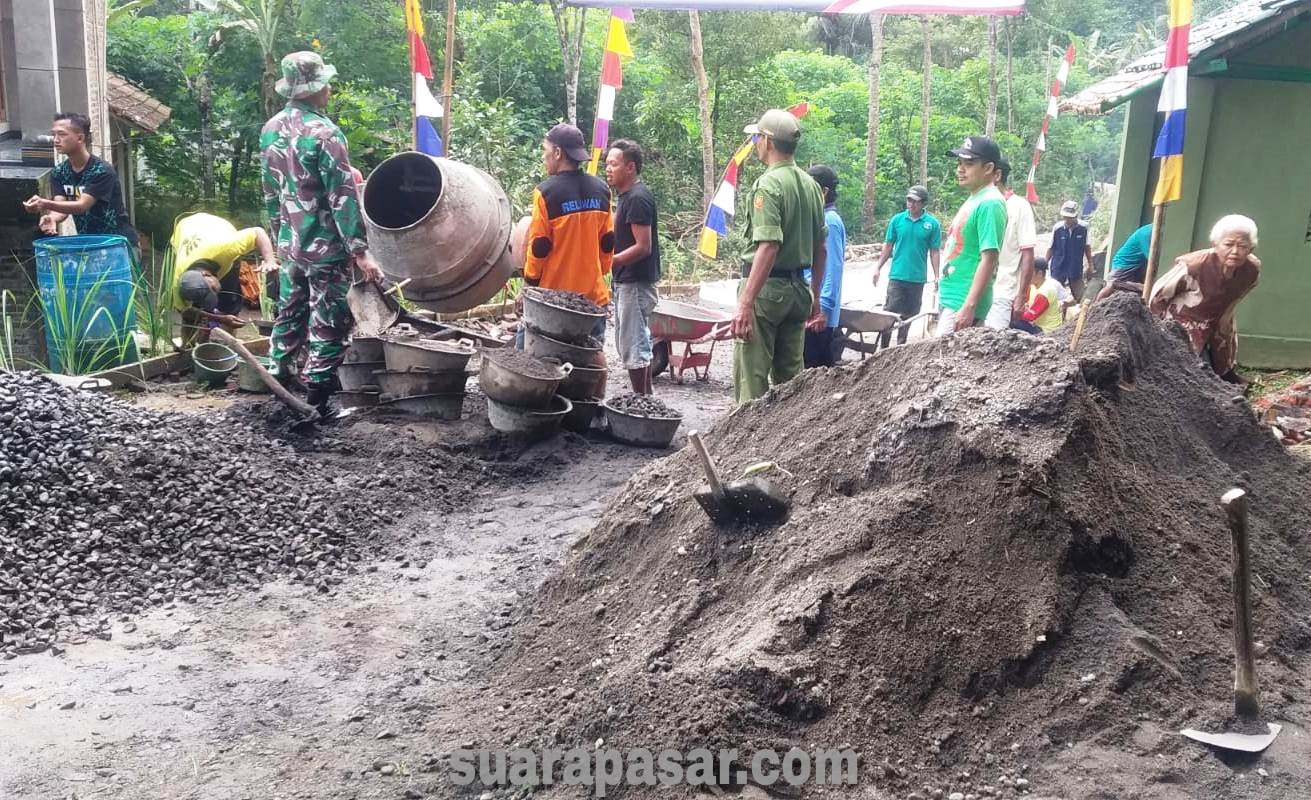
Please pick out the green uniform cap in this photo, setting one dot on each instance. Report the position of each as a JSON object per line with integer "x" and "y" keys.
{"x": 777, "y": 124}
{"x": 303, "y": 74}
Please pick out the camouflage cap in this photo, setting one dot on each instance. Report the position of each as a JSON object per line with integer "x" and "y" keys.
{"x": 303, "y": 74}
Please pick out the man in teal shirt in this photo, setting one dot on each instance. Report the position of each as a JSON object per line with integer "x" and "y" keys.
{"x": 975, "y": 239}
{"x": 1129, "y": 264}
{"x": 914, "y": 237}
{"x": 786, "y": 226}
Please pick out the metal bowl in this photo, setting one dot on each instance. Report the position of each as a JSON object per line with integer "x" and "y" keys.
{"x": 416, "y": 382}
{"x": 404, "y": 353}
{"x": 557, "y": 321}
{"x": 537, "y": 343}
{"x": 364, "y": 349}
{"x": 359, "y": 375}
{"x": 583, "y": 383}
{"x": 581, "y": 418}
{"x": 505, "y": 385}
{"x": 442, "y": 406}
{"x": 640, "y": 431}
{"x": 527, "y": 422}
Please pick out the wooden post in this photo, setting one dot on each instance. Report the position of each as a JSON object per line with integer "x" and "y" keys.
{"x": 1247, "y": 695}
{"x": 448, "y": 77}
{"x": 1154, "y": 251}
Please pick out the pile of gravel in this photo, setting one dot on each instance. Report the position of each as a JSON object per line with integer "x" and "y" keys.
{"x": 571, "y": 301}
{"x": 109, "y": 508}
{"x": 643, "y": 405}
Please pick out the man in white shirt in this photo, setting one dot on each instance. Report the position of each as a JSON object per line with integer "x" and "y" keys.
{"x": 1010, "y": 289}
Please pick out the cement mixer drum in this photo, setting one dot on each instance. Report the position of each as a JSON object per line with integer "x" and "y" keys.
{"x": 441, "y": 224}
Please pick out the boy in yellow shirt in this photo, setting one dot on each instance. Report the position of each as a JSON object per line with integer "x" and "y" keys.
{"x": 207, "y": 273}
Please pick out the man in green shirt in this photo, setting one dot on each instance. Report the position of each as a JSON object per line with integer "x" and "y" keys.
{"x": 975, "y": 238}
{"x": 914, "y": 238}
{"x": 786, "y": 225}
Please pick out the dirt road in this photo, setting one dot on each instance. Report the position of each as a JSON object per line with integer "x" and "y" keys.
{"x": 291, "y": 693}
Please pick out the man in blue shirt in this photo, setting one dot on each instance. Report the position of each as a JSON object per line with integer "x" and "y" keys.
{"x": 1070, "y": 252}
{"x": 823, "y": 347}
{"x": 913, "y": 240}
{"x": 1129, "y": 264}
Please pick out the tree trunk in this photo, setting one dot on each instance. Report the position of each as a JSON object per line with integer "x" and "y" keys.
{"x": 872, "y": 142}
{"x": 990, "y": 124}
{"x": 703, "y": 105}
{"x": 272, "y": 101}
{"x": 1010, "y": 87}
{"x": 204, "y": 105}
{"x": 569, "y": 28}
{"x": 240, "y": 152}
{"x": 926, "y": 100}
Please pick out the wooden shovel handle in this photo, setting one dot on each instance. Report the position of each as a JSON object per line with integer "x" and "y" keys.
{"x": 716, "y": 487}
{"x": 294, "y": 403}
{"x": 1247, "y": 695}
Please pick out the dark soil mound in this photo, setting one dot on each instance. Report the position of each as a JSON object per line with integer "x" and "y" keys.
{"x": 1006, "y": 571}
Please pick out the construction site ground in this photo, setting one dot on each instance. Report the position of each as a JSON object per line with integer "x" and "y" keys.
{"x": 574, "y": 592}
{"x": 288, "y": 693}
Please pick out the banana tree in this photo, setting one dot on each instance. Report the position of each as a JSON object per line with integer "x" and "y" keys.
{"x": 262, "y": 19}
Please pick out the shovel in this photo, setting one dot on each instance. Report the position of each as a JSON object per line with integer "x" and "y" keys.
{"x": 750, "y": 500}
{"x": 374, "y": 311}
{"x": 305, "y": 410}
{"x": 1247, "y": 695}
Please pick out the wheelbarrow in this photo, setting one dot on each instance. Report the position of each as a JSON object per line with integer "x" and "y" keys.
{"x": 673, "y": 323}
{"x": 854, "y": 323}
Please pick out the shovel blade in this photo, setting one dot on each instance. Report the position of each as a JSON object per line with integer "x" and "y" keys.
{"x": 758, "y": 500}
{"x": 720, "y": 509}
{"x": 1241, "y": 742}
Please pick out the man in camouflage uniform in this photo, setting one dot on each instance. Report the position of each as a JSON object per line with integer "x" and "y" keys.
{"x": 313, "y": 204}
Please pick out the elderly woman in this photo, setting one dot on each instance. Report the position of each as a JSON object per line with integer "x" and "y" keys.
{"x": 1203, "y": 289}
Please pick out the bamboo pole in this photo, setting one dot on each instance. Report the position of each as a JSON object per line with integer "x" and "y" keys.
{"x": 448, "y": 76}
{"x": 1154, "y": 251}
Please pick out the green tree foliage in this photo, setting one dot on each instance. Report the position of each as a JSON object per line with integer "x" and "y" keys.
{"x": 509, "y": 90}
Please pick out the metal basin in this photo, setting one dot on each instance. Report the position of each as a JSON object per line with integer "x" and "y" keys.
{"x": 527, "y": 422}
{"x": 640, "y": 431}
{"x": 537, "y": 343}
{"x": 359, "y": 375}
{"x": 212, "y": 363}
{"x": 365, "y": 348}
{"x": 584, "y": 383}
{"x": 416, "y": 382}
{"x": 406, "y": 353}
{"x": 360, "y": 399}
{"x": 556, "y": 321}
{"x": 506, "y": 385}
{"x": 442, "y": 406}
{"x": 248, "y": 380}
{"x": 581, "y": 417}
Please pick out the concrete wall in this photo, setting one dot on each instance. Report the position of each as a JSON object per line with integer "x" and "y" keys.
{"x": 35, "y": 54}
{"x": 1241, "y": 156}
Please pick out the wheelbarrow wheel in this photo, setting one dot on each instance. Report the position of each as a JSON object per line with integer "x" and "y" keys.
{"x": 659, "y": 357}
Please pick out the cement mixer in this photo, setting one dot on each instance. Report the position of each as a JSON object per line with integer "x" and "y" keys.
{"x": 442, "y": 225}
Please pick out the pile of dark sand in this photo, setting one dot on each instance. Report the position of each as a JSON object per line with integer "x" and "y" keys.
{"x": 1006, "y": 573}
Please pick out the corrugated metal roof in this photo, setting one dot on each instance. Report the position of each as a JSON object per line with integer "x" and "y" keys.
{"x": 1235, "y": 26}
{"x": 133, "y": 105}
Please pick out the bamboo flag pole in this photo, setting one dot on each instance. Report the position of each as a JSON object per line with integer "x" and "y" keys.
{"x": 448, "y": 76}
{"x": 1154, "y": 251}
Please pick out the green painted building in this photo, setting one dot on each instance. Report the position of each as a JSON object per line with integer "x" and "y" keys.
{"x": 1247, "y": 151}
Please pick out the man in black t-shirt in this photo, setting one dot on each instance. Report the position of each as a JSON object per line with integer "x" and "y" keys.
{"x": 84, "y": 186}
{"x": 636, "y": 265}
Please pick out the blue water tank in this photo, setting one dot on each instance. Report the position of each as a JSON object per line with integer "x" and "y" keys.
{"x": 88, "y": 298}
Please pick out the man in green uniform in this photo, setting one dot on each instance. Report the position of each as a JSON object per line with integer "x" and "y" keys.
{"x": 313, "y": 204}
{"x": 786, "y": 225}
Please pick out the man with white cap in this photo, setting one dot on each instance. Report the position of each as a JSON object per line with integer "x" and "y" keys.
{"x": 1069, "y": 258}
